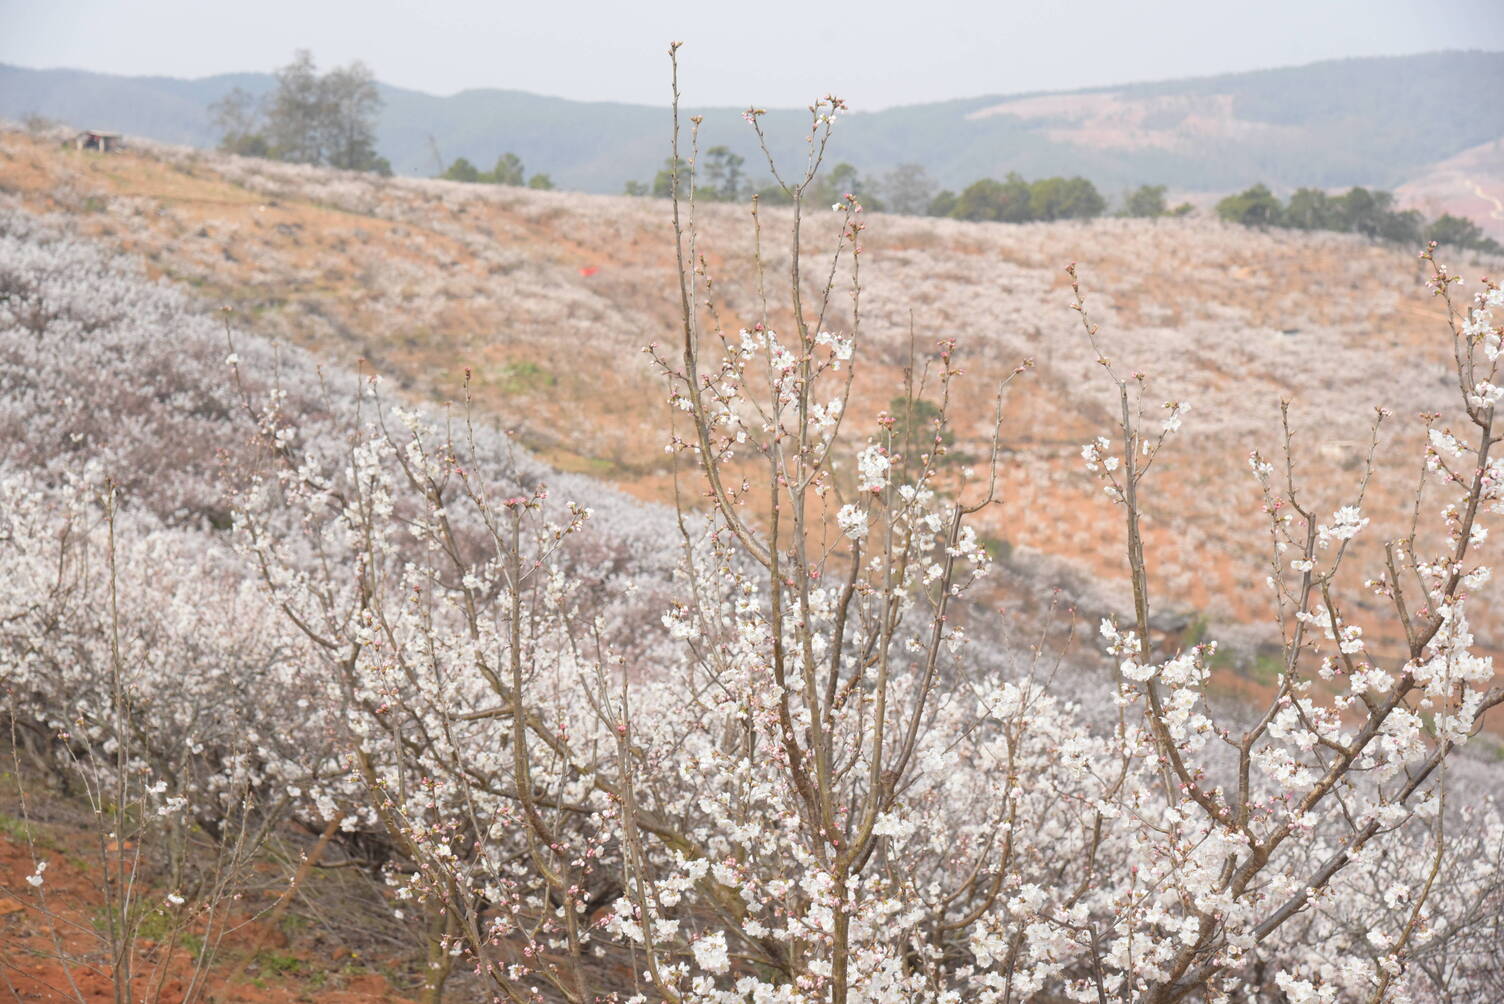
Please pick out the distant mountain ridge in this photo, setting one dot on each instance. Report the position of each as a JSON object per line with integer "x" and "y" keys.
{"x": 1382, "y": 122}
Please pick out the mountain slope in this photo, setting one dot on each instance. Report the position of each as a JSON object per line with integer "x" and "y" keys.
{"x": 545, "y": 299}
{"x": 1370, "y": 121}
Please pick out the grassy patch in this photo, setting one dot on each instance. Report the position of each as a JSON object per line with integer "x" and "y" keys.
{"x": 1261, "y": 667}
{"x": 278, "y": 962}
{"x": 520, "y": 378}
{"x": 1195, "y": 634}
{"x": 1266, "y": 668}
{"x": 997, "y": 548}
{"x": 19, "y": 831}
{"x": 292, "y": 925}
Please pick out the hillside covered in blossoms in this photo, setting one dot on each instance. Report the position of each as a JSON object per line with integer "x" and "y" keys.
{"x": 546, "y": 299}
{"x": 553, "y": 599}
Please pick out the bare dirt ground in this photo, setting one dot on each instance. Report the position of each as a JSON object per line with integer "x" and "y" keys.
{"x": 54, "y": 946}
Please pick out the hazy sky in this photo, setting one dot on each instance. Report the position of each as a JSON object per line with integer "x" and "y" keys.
{"x": 873, "y": 53}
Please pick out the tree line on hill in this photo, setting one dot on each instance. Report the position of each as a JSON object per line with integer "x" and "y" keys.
{"x": 508, "y": 171}
{"x": 329, "y": 119}
{"x": 719, "y": 176}
{"x": 1016, "y": 200}
{"x": 1371, "y": 213}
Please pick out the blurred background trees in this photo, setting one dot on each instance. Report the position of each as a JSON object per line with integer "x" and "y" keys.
{"x": 326, "y": 119}
{"x": 1254, "y": 207}
{"x": 1454, "y": 231}
{"x": 720, "y": 176}
{"x": 1014, "y": 200}
{"x": 1145, "y": 202}
{"x": 909, "y": 189}
{"x": 508, "y": 171}
{"x": 1369, "y": 212}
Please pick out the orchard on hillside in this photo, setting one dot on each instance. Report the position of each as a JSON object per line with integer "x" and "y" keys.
{"x": 762, "y": 747}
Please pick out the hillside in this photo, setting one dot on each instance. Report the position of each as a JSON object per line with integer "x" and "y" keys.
{"x": 340, "y": 582}
{"x": 1371, "y": 122}
{"x": 547, "y": 298}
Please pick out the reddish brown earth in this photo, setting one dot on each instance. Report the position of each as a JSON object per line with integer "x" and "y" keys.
{"x": 53, "y": 949}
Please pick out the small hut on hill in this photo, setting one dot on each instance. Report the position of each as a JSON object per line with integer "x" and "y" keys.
{"x": 96, "y": 139}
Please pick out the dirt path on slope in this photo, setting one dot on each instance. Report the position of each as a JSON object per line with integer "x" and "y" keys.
{"x": 1498, "y": 213}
